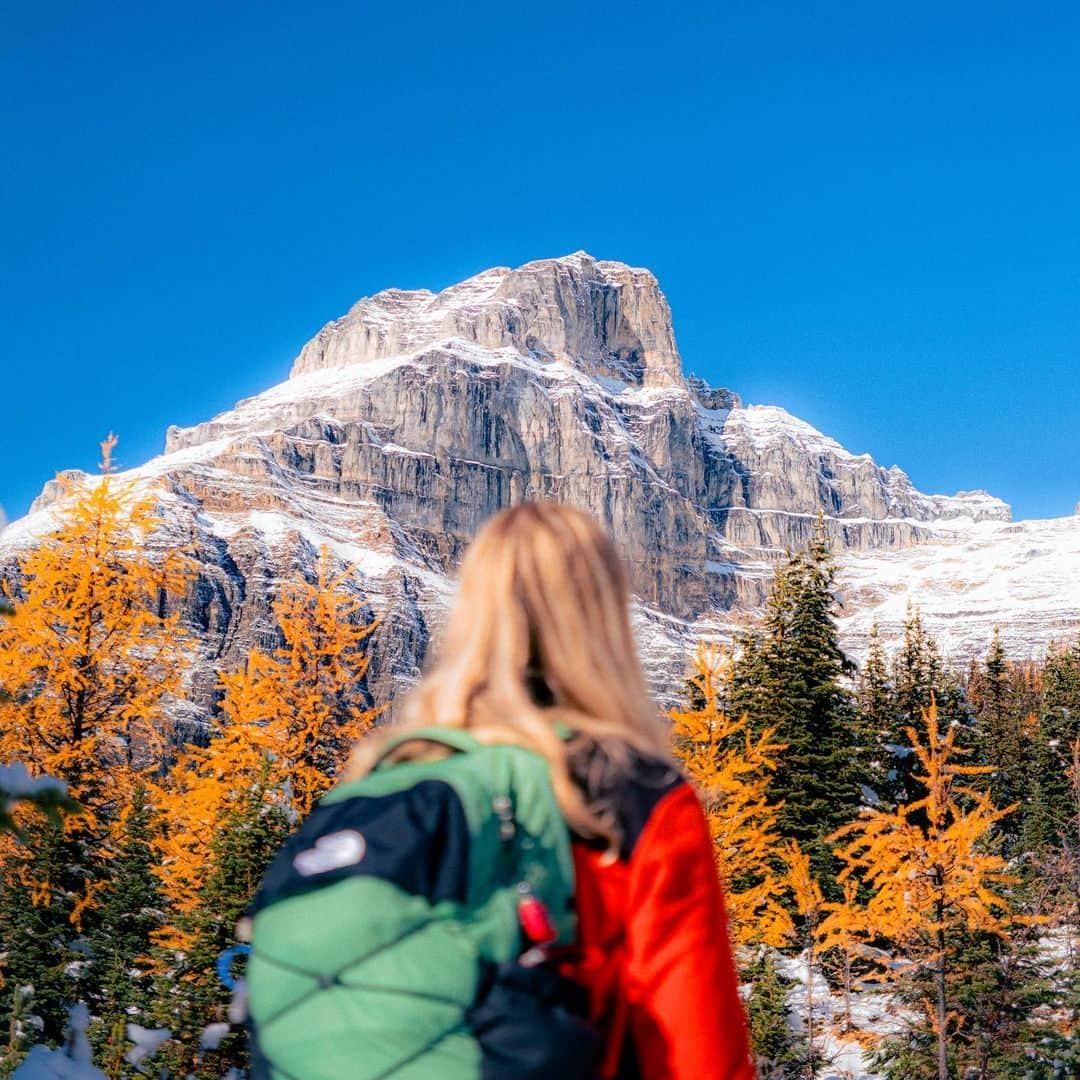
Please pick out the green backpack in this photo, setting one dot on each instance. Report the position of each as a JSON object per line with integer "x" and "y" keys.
{"x": 391, "y": 934}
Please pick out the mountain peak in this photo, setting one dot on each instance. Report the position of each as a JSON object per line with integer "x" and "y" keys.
{"x": 603, "y": 317}
{"x": 418, "y": 414}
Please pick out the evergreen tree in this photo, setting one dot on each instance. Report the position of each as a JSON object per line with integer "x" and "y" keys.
{"x": 190, "y": 995}
{"x": 1005, "y": 992}
{"x": 919, "y": 679}
{"x": 1003, "y": 738}
{"x": 878, "y": 709}
{"x": 1002, "y": 995}
{"x": 751, "y": 671}
{"x": 1054, "y": 887}
{"x": 1058, "y": 728}
{"x": 120, "y": 976}
{"x": 990, "y": 692}
{"x": 778, "y": 1051}
{"x": 43, "y": 909}
{"x": 791, "y": 677}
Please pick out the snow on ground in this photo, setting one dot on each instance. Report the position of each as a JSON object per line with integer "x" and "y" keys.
{"x": 875, "y": 1013}
{"x": 875, "y": 1016}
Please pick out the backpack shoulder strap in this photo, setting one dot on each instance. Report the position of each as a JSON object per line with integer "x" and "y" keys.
{"x": 456, "y": 739}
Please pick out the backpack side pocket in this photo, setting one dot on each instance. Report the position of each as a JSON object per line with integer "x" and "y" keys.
{"x": 528, "y": 1023}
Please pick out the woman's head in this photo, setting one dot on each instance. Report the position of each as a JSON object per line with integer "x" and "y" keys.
{"x": 539, "y": 635}
{"x": 541, "y": 618}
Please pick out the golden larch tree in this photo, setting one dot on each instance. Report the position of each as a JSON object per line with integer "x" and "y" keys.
{"x": 840, "y": 938}
{"x": 731, "y": 767}
{"x": 309, "y": 688}
{"x": 288, "y": 719}
{"x": 90, "y": 658}
{"x": 92, "y": 661}
{"x": 928, "y": 867}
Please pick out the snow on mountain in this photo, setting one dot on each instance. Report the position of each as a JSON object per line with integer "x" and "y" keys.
{"x": 1023, "y": 577}
{"x": 769, "y": 429}
{"x": 408, "y": 421}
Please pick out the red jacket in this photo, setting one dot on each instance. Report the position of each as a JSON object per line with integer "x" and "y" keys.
{"x": 654, "y": 954}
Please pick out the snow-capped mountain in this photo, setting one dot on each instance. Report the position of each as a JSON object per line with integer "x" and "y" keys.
{"x": 408, "y": 421}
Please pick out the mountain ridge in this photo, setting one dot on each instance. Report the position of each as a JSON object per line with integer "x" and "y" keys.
{"x": 407, "y": 421}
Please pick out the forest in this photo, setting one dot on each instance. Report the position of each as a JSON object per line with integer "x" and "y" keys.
{"x": 899, "y": 842}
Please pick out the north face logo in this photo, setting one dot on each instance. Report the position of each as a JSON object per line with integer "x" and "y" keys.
{"x": 331, "y": 852}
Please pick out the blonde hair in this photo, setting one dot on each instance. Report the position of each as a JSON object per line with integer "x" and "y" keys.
{"x": 539, "y": 636}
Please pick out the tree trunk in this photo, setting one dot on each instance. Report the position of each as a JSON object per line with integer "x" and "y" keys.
{"x": 939, "y": 983}
{"x": 811, "y": 1062}
{"x": 847, "y": 993}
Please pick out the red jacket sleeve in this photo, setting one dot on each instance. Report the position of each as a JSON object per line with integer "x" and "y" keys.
{"x": 685, "y": 1014}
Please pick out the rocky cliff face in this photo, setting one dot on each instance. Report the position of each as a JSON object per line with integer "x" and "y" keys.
{"x": 603, "y": 318}
{"x": 410, "y": 420}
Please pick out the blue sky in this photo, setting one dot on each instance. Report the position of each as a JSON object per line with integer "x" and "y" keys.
{"x": 866, "y": 213}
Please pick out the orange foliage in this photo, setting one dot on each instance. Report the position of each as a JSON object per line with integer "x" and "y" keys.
{"x": 306, "y": 690}
{"x": 731, "y": 768}
{"x": 927, "y": 863}
{"x": 288, "y": 719}
{"x": 89, "y": 660}
{"x": 929, "y": 870}
{"x": 805, "y": 891}
{"x": 839, "y": 938}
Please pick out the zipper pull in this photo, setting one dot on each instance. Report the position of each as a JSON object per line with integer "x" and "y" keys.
{"x": 504, "y": 811}
{"x": 534, "y": 917}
